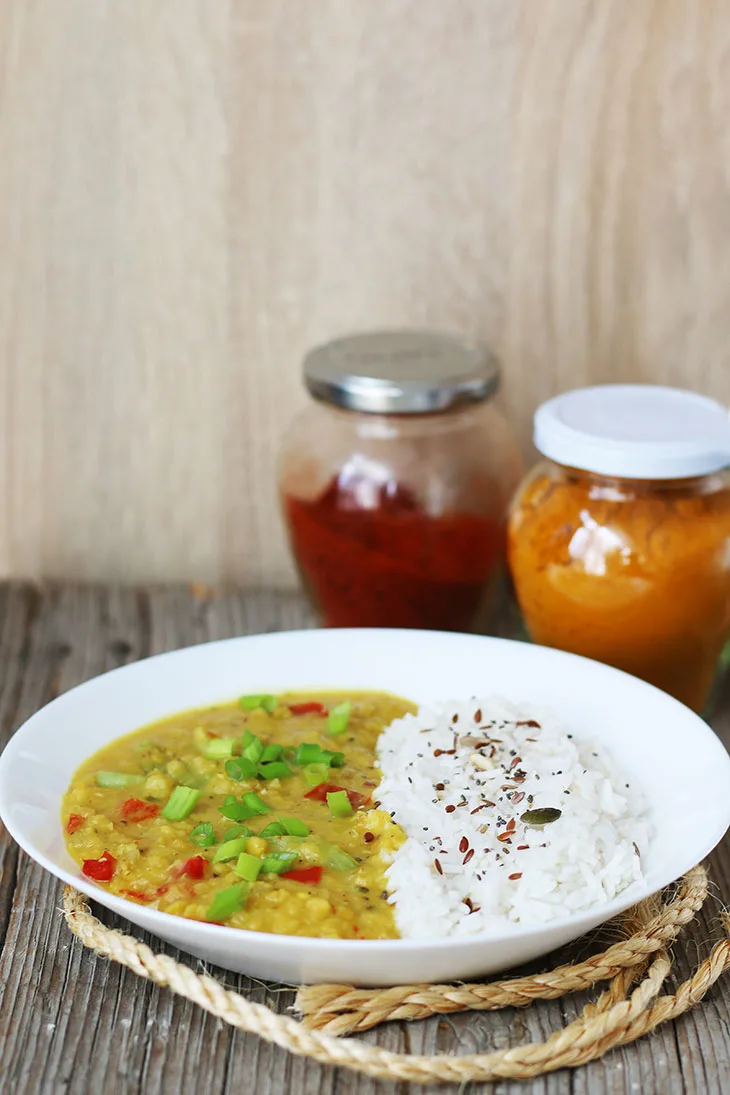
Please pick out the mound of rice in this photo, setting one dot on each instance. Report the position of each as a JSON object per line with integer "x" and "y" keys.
{"x": 463, "y": 781}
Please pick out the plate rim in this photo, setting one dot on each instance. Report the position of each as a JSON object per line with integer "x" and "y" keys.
{"x": 638, "y": 891}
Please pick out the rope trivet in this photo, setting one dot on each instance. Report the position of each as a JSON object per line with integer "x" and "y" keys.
{"x": 617, "y": 1017}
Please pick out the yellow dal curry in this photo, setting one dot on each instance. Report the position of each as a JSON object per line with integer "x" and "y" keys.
{"x": 257, "y": 814}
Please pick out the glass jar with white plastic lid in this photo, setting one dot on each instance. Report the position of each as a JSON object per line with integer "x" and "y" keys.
{"x": 619, "y": 542}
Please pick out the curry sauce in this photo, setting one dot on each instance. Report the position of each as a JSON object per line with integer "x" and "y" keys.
{"x": 257, "y": 814}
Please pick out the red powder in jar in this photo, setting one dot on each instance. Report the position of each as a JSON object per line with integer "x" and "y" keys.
{"x": 392, "y": 564}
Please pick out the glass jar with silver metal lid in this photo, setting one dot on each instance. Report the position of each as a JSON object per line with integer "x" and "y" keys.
{"x": 395, "y": 481}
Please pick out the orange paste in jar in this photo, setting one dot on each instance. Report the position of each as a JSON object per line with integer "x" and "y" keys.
{"x": 634, "y": 574}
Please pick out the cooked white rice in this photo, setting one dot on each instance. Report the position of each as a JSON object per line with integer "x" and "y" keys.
{"x": 460, "y": 776}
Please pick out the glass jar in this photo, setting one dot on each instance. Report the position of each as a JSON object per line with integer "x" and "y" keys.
{"x": 395, "y": 482}
{"x": 619, "y": 547}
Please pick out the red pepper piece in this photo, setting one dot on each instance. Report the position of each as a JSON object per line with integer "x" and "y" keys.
{"x": 320, "y": 792}
{"x": 309, "y": 708}
{"x": 101, "y": 869}
{"x": 134, "y": 809}
{"x": 75, "y": 822}
{"x": 193, "y": 867}
{"x": 312, "y": 875}
{"x": 137, "y": 895}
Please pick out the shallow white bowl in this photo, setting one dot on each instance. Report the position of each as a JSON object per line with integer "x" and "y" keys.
{"x": 670, "y": 752}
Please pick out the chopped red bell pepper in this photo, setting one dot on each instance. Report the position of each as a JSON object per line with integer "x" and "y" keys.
{"x": 312, "y": 875}
{"x": 101, "y": 869}
{"x": 137, "y": 895}
{"x": 75, "y": 822}
{"x": 320, "y": 792}
{"x": 134, "y": 809}
{"x": 193, "y": 867}
{"x": 311, "y": 707}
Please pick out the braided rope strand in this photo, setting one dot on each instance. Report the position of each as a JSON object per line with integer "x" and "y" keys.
{"x": 340, "y": 1009}
{"x": 615, "y": 1019}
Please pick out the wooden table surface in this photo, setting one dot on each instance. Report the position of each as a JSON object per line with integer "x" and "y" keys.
{"x": 73, "y": 1023}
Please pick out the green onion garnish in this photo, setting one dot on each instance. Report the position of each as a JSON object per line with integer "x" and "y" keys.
{"x": 338, "y": 718}
{"x": 117, "y": 779}
{"x": 334, "y": 760}
{"x": 235, "y": 810}
{"x": 276, "y": 770}
{"x": 203, "y": 835}
{"x": 271, "y": 752}
{"x": 247, "y": 738}
{"x": 257, "y": 805}
{"x": 274, "y": 828}
{"x": 253, "y": 750}
{"x": 217, "y": 748}
{"x": 252, "y": 703}
{"x": 181, "y": 802}
{"x": 228, "y": 902}
{"x": 314, "y": 774}
{"x": 248, "y": 866}
{"x": 338, "y": 859}
{"x": 278, "y": 862}
{"x": 308, "y": 753}
{"x": 236, "y": 830}
{"x": 239, "y": 768}
{"x": 339, "y": 803}
{"x": 230, "y": 849}
{"x": 294, "y": 827}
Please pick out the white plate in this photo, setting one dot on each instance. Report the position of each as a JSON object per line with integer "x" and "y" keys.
{"x": 670, "y": 752}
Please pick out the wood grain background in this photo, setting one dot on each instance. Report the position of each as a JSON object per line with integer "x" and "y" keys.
{"x": 194, "y": 191}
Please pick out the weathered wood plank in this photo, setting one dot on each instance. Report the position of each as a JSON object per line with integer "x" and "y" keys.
{"x": 72, "y": 1023}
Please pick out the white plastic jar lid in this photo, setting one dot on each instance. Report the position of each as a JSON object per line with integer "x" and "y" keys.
{"x": 635, "y": 431}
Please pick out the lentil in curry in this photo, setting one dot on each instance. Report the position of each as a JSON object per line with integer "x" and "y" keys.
{"x": 257, "y": 814}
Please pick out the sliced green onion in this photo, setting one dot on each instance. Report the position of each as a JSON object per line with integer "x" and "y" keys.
{"x": 338, "y": 718}
{"x": 230, "y": 849}
{"x": 339, "y": 803}
{"x": 239, "y": 768}
{"x": 252, "y": 703}
{"x": 248, "y": 866}
{"x": 271, "y": 752}
{"x": 253, "y": 751}
{"x": 314, "y": 774}
{"x": 247, "y": 738}
{"x": 274, "y": 828}
{"x": 308, "y": 753}
{"x": 334, "y": 760}
{"x": 181, "y": 802}
{"x": 338, "y": 859}
{"x": 117, "y": 779}
{"x": 236, "y": 830}
{"x": 203, "y": 835}
{"x": 235, "y": 810}
{"x": 276, "y": 770}
{"x": 217, "y": 748}
{"x": 278, "y": 862}
{"x": 257, "y": 805}
{"x": 294, "y": 827}
{"x": 228, "y": 902}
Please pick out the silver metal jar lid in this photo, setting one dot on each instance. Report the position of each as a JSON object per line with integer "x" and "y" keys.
{"x": 400, "y": 372}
